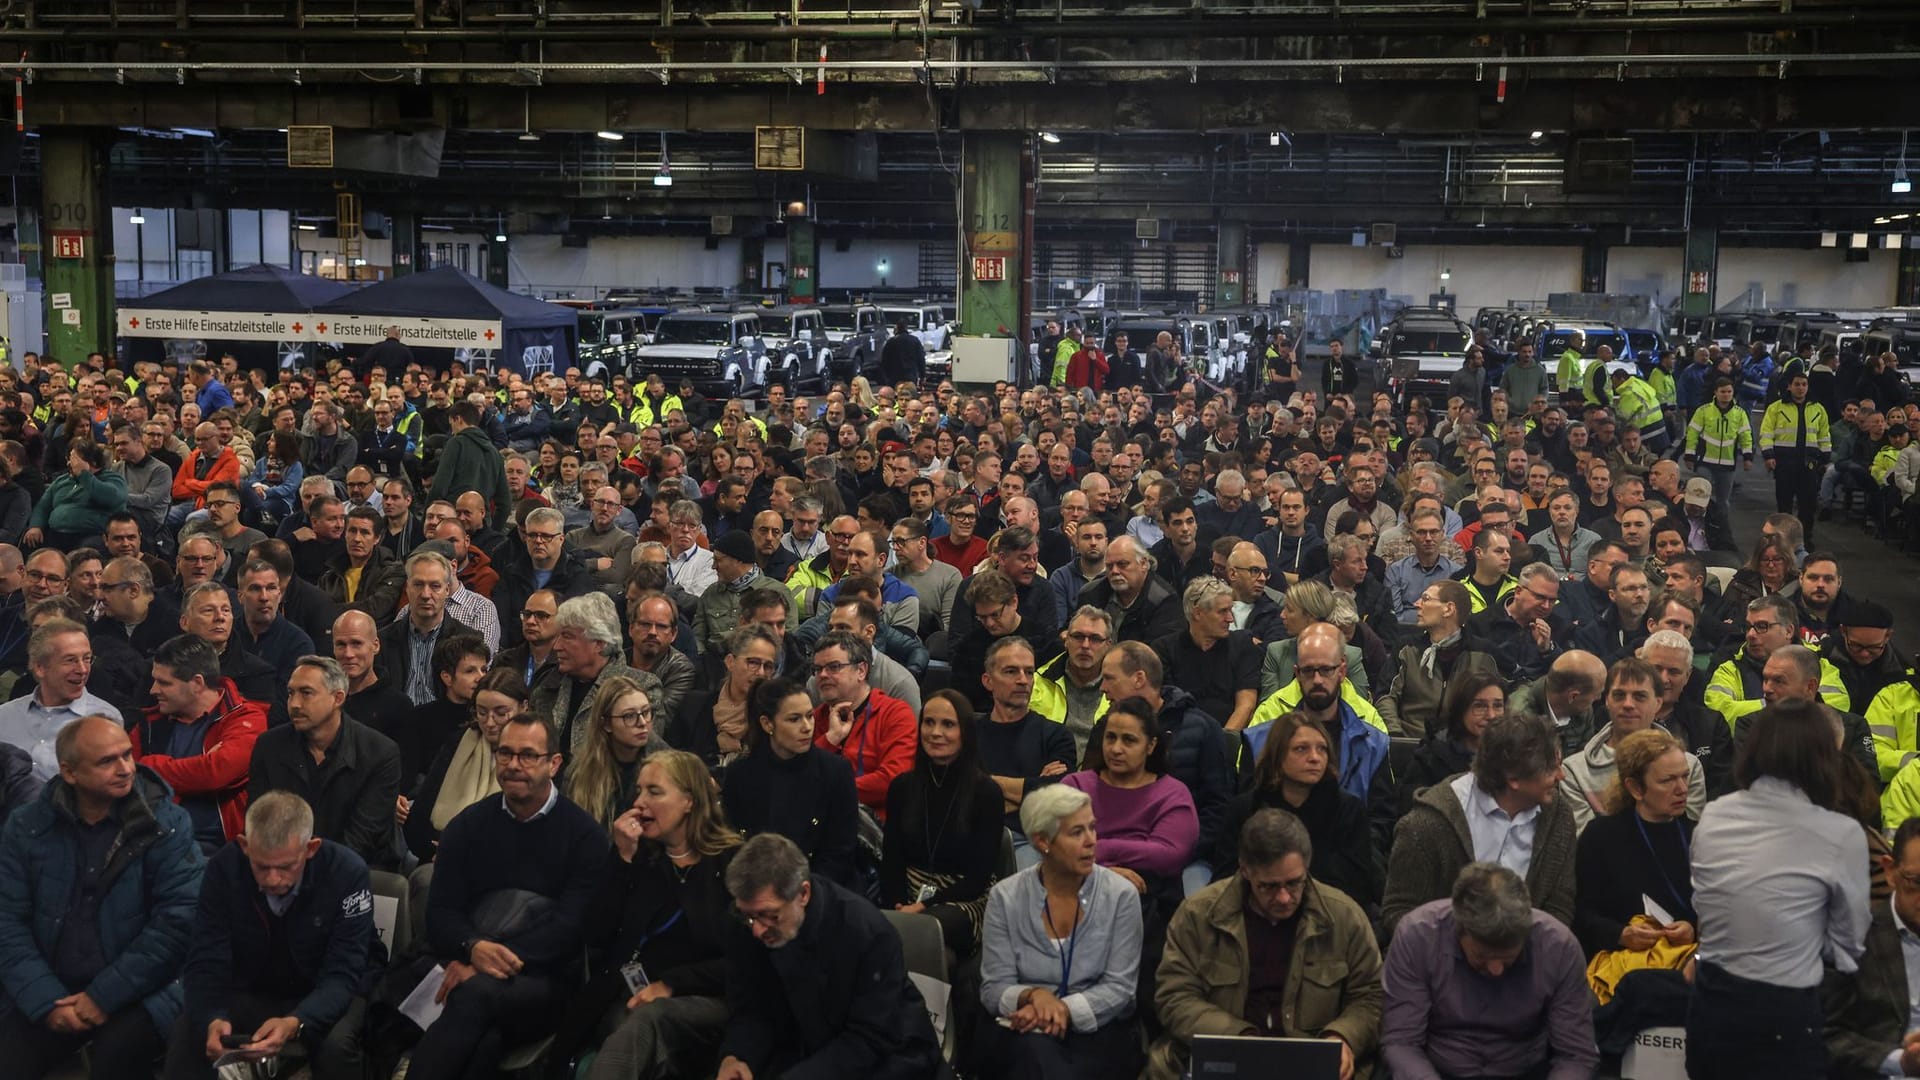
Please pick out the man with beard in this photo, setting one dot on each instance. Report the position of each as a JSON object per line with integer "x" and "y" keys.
{"x": 652, "y": 625}
{"x": 1617, "y": 631}
{"x": 604, "y": 547}
{"x": 346, "y": 771}
{"x": 1179, "y": 557}
{"x": 1820, "y": 602}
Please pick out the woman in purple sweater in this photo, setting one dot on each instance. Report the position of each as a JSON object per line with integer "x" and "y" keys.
{"x": 1146, "y": 821}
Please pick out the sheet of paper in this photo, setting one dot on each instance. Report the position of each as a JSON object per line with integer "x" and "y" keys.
{"x": 420, "y": 1006}
{"x": 1655, "y": 911}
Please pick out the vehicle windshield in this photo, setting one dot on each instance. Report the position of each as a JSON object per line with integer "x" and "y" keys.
{"x": 1643, "y": 342}
{"x": 777, "y": 325}
{"x": 896, "y": 316}
{"x": 1142, "y": 336}
{"x": 1418, "y": 339}
{"x": 675, "y": 331}
{"x": 592, "y": 329}
{"x": 838, "y": 320}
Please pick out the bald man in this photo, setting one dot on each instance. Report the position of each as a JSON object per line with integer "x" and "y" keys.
{"x": 371, "y": 700}
{"x": 1566, "y": 696}
{"x": 605, "y": 548}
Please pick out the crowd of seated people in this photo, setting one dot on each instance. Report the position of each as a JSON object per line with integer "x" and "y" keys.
{"x": 1471, "y": 736}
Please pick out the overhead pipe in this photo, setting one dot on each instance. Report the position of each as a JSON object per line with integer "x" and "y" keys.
{"x": 905, "y": 26}
{"x": 1186, "y": 68}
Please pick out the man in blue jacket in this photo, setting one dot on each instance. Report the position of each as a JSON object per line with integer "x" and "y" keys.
{"x": 98, "y": 879}
{"x": 281, "y": 949}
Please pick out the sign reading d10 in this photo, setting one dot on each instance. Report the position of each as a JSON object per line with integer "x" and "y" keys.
{"x": 989, "y": 268}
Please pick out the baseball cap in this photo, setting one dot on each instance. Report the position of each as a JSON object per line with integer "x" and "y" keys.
{"x": 1699, "y": 491}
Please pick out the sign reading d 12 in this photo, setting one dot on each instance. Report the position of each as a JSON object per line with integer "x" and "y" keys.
{"x": 989, "y": 268}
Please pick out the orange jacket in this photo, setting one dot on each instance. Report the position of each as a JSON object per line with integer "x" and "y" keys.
{"x": 220, "y": 770}
{"x": 226, "y": 469}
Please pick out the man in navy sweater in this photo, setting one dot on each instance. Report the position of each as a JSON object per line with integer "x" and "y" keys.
{"x": 281, "y": 949}
{"x": 508, "y": 974}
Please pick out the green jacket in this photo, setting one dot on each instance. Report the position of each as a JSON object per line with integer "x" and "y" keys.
{"x": 1638, "y": 406}
{"x": 1664, "y": 387}
{"x": 1718, "y": 437}
{"x": 80, "y": 506}
{"x": 1333, "y": 981}
{"x": 1780, "y": 431}
{"x": 470, "y": 462}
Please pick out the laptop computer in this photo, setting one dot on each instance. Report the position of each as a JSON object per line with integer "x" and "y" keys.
{"x": 1224, "y": 1057}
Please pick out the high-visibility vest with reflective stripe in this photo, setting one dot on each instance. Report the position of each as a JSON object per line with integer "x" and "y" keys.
{"x": 1882, "y": 466}
{"x": 1891, "y": 720}
{"x": 1639, "y": 407}
{"x": 1733, "y": 690}
{"x": 1780, "y": 429}
{"x": 1719, "y": 438}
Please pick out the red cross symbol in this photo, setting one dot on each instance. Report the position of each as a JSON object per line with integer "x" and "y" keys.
{"x": 297, "y": 328}
{"x": 322, "y": 327}
{"x": 133, "y": 323}
{"x": 488, "y": 335}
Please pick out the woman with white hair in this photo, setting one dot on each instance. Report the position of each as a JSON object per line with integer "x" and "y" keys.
{"x": 1060, "y": 955}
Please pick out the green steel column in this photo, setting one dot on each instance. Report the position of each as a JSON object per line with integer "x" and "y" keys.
{"x": 76, "y": 238}
{"x": 1230, "y": 283}
{"x": 1702, "y": 258}
{"x": 803, "y": 261}
{"x": 993, "y": 252}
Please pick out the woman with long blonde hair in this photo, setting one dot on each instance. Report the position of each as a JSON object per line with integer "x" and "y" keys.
{"x": 621, "y": 734}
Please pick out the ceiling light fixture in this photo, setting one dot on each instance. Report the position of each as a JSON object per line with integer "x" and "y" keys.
{"x": 663, "y": 178}
{"x": 309, "y": 228}
{"x": 1902, "y": 185}
{"x": 1049, "y": 137}
{"x": 1446, "y": 274}
{"x": 1273, "y": 138}
{"x": 526, "y": 118}
{"x": 499, "y": 229}
{"x": 610, "y": 136}
{"x": 1536, "y": 135}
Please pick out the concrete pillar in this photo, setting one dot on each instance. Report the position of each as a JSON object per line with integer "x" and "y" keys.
{"x": 1701, "y": 267}
{"x": 994, "y": 252}
{"x": 1230, "y": 279}
{"x": 753, "y": 258}
{"x": 1299, "y": 257}
{"x": 803, "y": 261}
{"x": 1593, "y": 265}
{"x": 1907, "y": 278}
{"x": 76, "y": 238}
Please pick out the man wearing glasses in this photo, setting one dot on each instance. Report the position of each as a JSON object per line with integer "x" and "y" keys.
{"x": 814, "y": 576}
{"x": 826, "y": 964}
{"x": 223, "y": 520}
{"x": 210, "y": 463}
{"x": 962, "y": 548}
{"x": 549, "y": 564}
{"x": 804, "y": 539}
{"x": 652, "y": 625}
{"x": 689, "y": 566}
{"x": 1321, "y": 690}
{"x": 1522, "y": 632}
{"x": 346, "y": 771}
{"x": 873, "y": 731}
{"x": 61, "y": 659}
{"x": 501, "y": 989}
{"x": 606, "y": 549}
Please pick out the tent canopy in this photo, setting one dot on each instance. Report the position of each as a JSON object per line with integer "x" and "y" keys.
{"x": 250, "y": 288}
{"x": 483, "y": 324}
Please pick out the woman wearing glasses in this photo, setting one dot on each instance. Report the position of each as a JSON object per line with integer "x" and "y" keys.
{"x": 784, "y": 785}
{"x": 1298, "y": 773}
{"x": 621, "y": 735}
{"x": 1475, "y": 700}
{"x": 658, "y": 993}
{"x": 1060, "y": 955}
{"x": 462, "y": 773}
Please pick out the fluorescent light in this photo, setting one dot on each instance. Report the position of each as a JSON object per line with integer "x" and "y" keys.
{"x": 610, "y": 136}
{"x": 309, "y": 228}
{"x": 1536, "y": 134}
{"x": 528, "y": 136}
{"x": 1898, "y": 217}
{"x": 1902, "y": 186}
{"x": 1049, "y": 137}
{"x": 499, "y": 238}
{"x": 137, "y": 219}
{"x": 1881, "y": 220}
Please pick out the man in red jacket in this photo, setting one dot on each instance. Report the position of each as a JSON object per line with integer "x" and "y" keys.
{"x": 874, "y": 732}
{"x": 211, "y": 462}
{"x": 1087, "y": 369}
{"x": 199, "y": 738}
